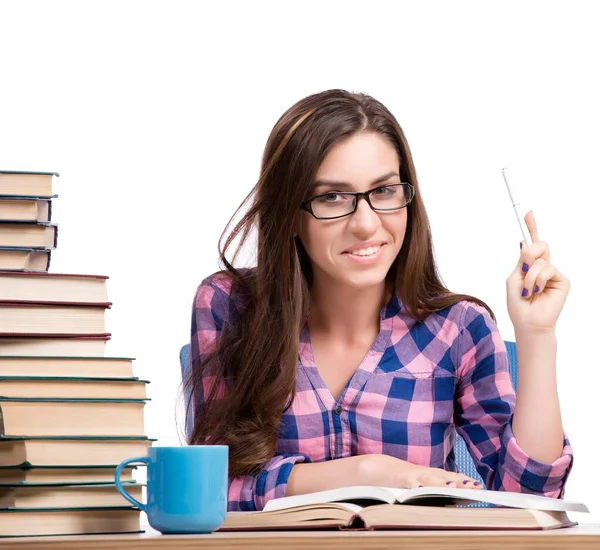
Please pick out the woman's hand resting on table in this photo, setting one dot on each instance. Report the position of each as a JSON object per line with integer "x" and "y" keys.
{"x": 388, "y": 471}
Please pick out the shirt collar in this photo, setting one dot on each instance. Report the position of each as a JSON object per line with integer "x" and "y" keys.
{"x": 393, "y": 307}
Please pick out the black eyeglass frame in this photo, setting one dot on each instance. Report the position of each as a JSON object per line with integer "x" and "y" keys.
{"x": 307, "y": 205}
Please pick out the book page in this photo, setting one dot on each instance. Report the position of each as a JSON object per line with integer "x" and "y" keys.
{"x": 440, "y": 496}
{"x": 362, "y": 494}
{"x": 500, "y": 498}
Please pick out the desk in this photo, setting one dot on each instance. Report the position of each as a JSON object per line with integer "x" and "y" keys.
{"x": 583, "y": 536}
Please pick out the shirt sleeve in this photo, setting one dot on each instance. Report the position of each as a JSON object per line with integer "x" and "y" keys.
{"x": 484, "y": 412}
{"x": 212, "y": 308}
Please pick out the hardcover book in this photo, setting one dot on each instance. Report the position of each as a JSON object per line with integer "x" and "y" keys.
{"x": 421, "y": 508}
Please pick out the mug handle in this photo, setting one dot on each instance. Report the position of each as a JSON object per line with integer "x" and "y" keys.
{"x": 120, "y": 487}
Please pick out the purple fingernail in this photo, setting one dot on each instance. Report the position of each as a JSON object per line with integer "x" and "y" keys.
{"x": 525, "y": 292}
{"x": 477, "y": 483}
{"x": 449, "y": 482}
{"x": 420, "y": 486}
{"x": 536, "y": 289}
{"x": 521, "y": 246}
{"x": 525, "y": 268}
{"x": 465, "y": 481}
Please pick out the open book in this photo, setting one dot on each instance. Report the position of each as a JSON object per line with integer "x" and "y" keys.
{"x": 421, "y": 508}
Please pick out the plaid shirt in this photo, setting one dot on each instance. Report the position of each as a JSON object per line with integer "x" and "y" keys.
{"x": 419, "y": 382}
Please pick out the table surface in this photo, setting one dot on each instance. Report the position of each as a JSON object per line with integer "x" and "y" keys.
{"x": 582, "y": 536}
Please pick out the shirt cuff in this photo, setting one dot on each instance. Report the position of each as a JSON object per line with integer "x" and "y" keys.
{"x": 533, "y": 475}
{"x": 270, "y": 483}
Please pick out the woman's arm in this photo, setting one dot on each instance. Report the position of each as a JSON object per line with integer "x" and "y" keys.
{"x": 536, "y": 293}
{"x": 537, "y": 423}
{"x": 484, "y": 416}
{"x": 371, "y": 469}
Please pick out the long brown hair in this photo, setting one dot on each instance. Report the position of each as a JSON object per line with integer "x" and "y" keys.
{"x": 258, "y": 353}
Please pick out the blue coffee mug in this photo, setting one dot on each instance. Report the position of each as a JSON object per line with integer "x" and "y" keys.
{"x": 186, "y": 487}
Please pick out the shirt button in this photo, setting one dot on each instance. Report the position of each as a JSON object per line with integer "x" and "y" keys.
{"x": 338, "y": 410}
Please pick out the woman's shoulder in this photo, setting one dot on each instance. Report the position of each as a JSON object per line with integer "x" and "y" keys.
{"x": 462, "y": 313}
{"x": 460, "y": 323}
{"x": 473, "y": 319}
{"x": 470, "y": 309}
{"x": 218, "y": 290}
{"x": 220, "y": 280}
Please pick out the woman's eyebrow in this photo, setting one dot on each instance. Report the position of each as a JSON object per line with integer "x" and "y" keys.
{"x": 346, "y": 185}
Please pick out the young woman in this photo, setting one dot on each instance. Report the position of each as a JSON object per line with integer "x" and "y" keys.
{"x": 341, "y": 358}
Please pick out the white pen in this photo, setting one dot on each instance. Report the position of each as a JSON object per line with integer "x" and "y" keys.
{"x": 517, "y": 206}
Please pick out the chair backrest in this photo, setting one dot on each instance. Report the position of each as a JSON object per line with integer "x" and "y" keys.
{"x": 184, "y": 361}
{"x": 511, "y": 351}
{"x": 464, "y": 461}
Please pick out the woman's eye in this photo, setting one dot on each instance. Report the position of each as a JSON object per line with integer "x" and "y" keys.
{"x": 330, "y": 197}
{"x": 385, "y": 191}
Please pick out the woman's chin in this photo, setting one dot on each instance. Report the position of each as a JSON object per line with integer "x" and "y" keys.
{"x": 362, "y": 281}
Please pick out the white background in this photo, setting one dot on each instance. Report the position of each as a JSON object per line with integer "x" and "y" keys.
{"x": 155, "y": 115}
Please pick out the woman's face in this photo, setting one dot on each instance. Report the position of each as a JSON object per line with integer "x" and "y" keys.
{"x": 356, "y": 250}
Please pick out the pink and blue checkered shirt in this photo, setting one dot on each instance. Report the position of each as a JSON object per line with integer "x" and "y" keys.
{"x": 419, "y": 383}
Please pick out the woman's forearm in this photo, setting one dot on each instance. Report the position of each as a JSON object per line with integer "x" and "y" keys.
{"x": 371, "y": 469}
{"x": 330, "y": 474}
{"x": 537, "y": 423}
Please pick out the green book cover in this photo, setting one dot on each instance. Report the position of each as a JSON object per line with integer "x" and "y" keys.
{"x": 64, "y": 484}
{"x": 69, "y": 400}
{"x": 19, "y": 474}
{"x": 61, "y": 484}
{"x": 78, "y": 484}
{"x": 85, "y": 513}
{"x": 28, "y": 172}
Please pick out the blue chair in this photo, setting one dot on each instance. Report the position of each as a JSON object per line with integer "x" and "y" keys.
{"x": 464, "y": 461}
{"x": 184, "y": 361}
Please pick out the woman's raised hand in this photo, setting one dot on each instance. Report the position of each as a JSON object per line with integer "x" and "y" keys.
{"x": 536, "y": 291}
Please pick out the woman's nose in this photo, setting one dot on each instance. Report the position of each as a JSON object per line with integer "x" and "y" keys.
{"x": 364, "y": 219}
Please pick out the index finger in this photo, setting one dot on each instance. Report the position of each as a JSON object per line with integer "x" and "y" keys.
{"x": 532, "y": 226}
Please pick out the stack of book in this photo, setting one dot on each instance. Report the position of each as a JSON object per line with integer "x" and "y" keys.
{"x": 27, "y": 235}
{"x": 68, "y": 413}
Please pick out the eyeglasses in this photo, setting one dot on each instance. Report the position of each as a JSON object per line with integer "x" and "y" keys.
{"x": 335, "y": 204}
